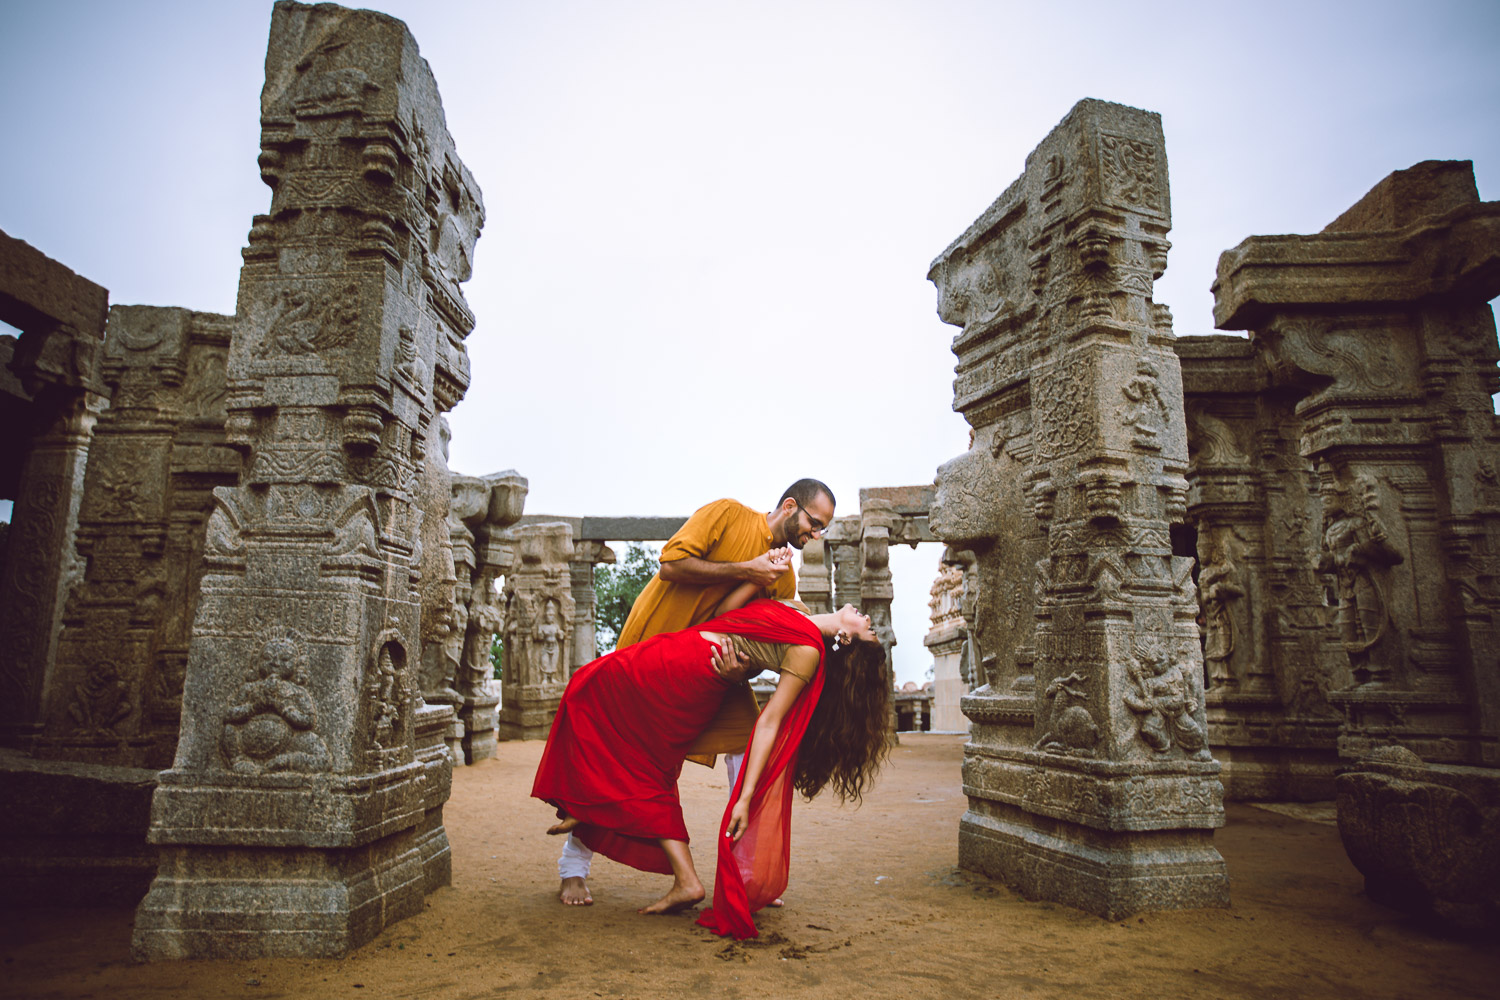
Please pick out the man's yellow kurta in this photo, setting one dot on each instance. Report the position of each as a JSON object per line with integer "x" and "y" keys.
{"x": 723, "y": 531}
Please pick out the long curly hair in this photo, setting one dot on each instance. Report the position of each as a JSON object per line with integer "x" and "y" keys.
{"x": 847, "y": 737}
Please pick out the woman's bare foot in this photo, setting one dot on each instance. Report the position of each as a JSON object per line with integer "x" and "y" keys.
{"x": 566, "y": 826}
{"x": 680, "y": 897}
{"x": 776, "y": 903}
{"x": 574, "y": 891}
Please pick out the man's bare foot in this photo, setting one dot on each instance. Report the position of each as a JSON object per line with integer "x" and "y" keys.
{"x": 566, "y": 826}
{"x": 574, "y": 891}
{"x": 679, "y": 898}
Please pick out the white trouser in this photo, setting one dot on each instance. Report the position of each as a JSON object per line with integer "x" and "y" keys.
{"x": 576, "y": 857}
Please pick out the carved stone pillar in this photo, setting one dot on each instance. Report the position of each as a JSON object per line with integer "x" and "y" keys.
{"x": 539, "y": 616}
{"x": 296, "y": 817}
{"x": 156, "y": 454}
{"x": 1380, "y": 329}
{"x": 51, "y": 404}
{"x": 877, "y": 519}
{"x": 1066, "y": 364}
{"x": 842, "y": 548}
{"x": 586, "y": 555}
{"x": 945, "y": 641}
{"x": 485, "y": 617}
{"x": 814, "y": 584}
{"x": 1253, "y": 502}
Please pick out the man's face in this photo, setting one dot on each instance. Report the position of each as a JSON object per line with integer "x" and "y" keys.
{"x": 806, "y": 523}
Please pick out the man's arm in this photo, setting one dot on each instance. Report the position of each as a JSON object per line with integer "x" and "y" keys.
{"x": 762, "y": 571}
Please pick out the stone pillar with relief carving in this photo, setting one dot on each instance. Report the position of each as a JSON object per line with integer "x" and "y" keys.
{"x": 1379, "y": 328}
{"x": 1268, "y": 650}
{"x": 587, "y": 553}
{"x": 539, "y": 617}
{"x": 945, "y": 641}
{"x": 814, "y": 584}
{"x": 156, "y": 454}
{"x": 295, "y": 819}
{"x": 495, "y": 546}
{"x": 1067, "y": 374}
{"x": 52, "y": 392}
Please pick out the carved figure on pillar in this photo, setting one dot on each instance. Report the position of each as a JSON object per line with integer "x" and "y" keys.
{"x": 1357, "y": 551}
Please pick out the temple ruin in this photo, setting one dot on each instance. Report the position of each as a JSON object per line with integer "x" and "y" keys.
{"x": 249, "y": 609}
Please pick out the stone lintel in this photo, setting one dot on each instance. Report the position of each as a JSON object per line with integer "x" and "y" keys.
{"x": 908, "y": 501}
{"x": 36, "y": 290}
{"x": 1220, "y": 365}
{"x": 1453, "y": 256}
{"x": 630, "y": 529}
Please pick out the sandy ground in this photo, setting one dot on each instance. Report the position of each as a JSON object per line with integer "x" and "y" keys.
{"x": 876, "y": 905}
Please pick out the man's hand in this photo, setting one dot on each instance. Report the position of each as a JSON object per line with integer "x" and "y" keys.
{"x": 764, "y": 570}
{"x": 729, "y": 661}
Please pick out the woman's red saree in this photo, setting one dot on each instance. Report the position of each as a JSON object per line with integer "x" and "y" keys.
{"x": 617, "y": 744}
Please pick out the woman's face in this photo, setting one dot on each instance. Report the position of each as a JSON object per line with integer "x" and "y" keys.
{"x": 856, "y": 624}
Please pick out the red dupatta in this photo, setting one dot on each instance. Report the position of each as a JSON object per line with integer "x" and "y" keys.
{"x": 752, "y": 871}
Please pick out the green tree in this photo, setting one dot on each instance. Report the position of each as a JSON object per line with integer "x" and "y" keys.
{"x": 497, "y": 655}
{"x": 615, "y": 590}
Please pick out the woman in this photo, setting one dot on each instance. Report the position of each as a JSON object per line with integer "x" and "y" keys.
{"x": 618, "y": 740}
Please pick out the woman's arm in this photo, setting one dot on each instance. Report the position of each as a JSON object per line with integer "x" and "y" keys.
{"x": 737, "y": 598}
{"x": 800, "y": 659}
{"x": 741, "y": 595}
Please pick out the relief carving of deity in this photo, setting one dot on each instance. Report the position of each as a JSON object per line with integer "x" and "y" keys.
{"x": 549, "y": 636}
{"x": 268, "y": 728}
{"x": 1165, "y": 700}
{"x": 1219, "y": 586}
{"x": 1356, "y": 550}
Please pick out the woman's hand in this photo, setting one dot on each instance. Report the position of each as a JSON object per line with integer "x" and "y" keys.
{"x": 739, "y": 820}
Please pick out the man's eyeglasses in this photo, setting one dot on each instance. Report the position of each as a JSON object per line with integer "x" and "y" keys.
{"x": 819, "y": 529}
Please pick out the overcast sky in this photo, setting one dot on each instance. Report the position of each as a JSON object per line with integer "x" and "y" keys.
{"x": 703, "y": 272}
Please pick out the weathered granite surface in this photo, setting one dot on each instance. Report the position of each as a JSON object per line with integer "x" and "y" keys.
{"x": 1088, "y": 773}
{"x": 53, "y": 393}
{"x": 540, "y": 613}
{"x": 1378, "y": 335}
{"x": 298, "y": 816}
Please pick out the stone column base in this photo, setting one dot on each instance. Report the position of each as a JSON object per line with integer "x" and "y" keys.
{"x": 235, "y": 902}
{"x": 1110, "y": 873}
{"x": 292, "y": 865}
{"x": 1112, "y": 838}
{"x": 432, "y": 753}
{"x": 532, "y": 721}
{"x": 1277, "y": 773}
{"x": 479, "y": 717}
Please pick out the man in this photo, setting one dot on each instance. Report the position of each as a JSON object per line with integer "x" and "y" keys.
{"x": 721, "y": 546}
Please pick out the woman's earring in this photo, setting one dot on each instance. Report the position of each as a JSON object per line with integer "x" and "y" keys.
{"x": 841, "y": 639}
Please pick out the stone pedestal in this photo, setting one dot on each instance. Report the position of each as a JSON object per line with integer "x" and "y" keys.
{"x": 297, "y": 816}
{"x": 1066, "y": 373}
{"x": 480, "y": 715}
